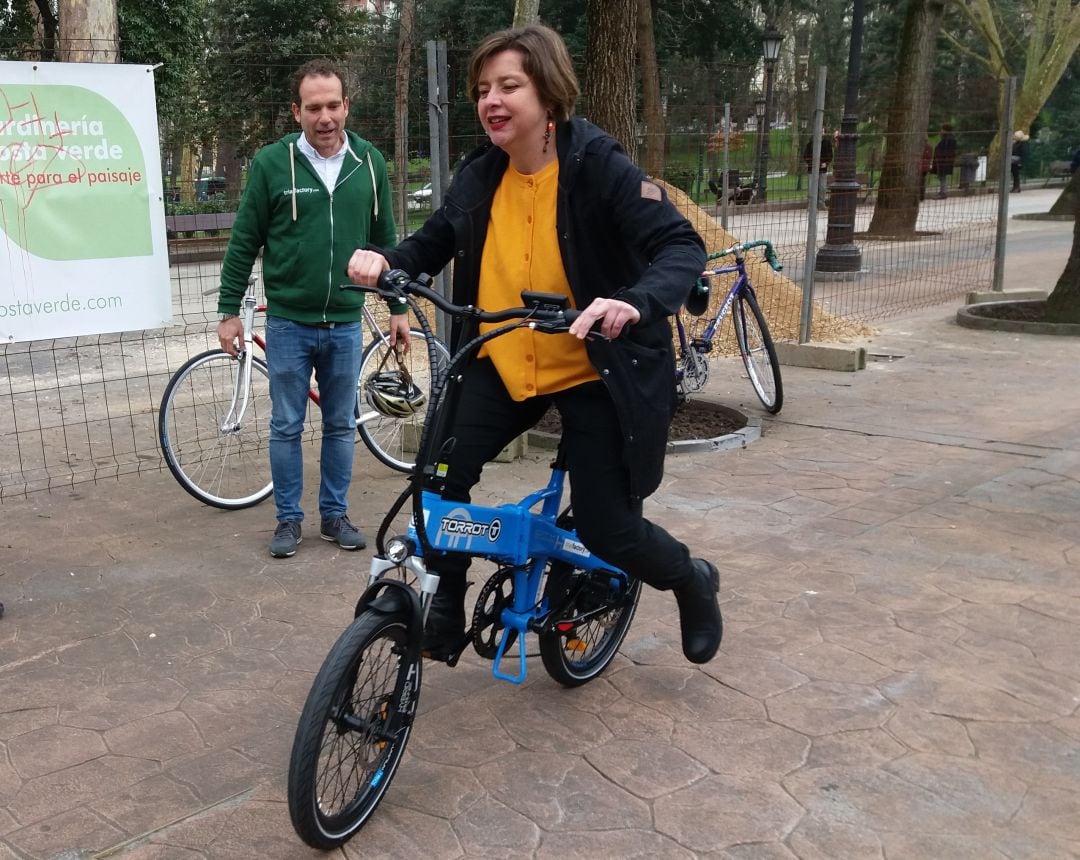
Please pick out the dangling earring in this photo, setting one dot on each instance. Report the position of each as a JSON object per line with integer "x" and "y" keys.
{"x": 547, "y": 134}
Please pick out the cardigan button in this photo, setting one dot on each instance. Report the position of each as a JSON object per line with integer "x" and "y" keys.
{"x": 633, "y": 361}
{"x": 605, "y": 371}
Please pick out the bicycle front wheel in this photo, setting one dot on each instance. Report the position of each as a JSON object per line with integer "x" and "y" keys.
{"x": 223, "y": 466}
{"x": 353, "y": 730}
{"x": 393, "y": 436}
{"x": 758, "y": 351}
{"x": 595, "y": 615}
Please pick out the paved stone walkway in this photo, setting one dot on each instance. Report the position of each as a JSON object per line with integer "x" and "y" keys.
{"x": 900, "y": 558}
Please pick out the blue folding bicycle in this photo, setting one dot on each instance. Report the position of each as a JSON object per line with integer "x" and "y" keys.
{"x": 360, "y": 710}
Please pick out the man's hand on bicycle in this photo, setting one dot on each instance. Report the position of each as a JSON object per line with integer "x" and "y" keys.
{"x": 230, "y": 334}
{"x": 612, "y": 314}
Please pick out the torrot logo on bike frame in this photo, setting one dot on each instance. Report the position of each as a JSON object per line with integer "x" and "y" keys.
{"x": 457, "y": 530}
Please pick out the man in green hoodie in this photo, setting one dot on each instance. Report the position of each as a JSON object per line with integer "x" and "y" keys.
{"x": 311, "y": 199}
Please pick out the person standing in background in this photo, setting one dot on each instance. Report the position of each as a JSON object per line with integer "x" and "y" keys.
{"x": 311, "y": 199}
{"x": 926, "y": 161}
{"x": 1019, "y": 156}
{"x": 944, "y": 160}
{"x": 823, "y": 165}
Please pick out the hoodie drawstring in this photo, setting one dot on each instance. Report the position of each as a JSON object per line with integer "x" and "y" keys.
{"x": 374, "y": 187}
{"x": 292, "y": 175}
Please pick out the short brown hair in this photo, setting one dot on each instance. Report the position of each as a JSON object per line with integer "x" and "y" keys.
{"x": 319, "y": 68}
{"x": 544, "y": 59}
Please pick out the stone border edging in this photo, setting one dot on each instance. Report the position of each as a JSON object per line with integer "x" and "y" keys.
{"x": 751, "y": 432}
{"x": 968, "y": 317}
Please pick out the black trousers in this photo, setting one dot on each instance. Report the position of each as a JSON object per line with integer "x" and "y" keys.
{"x": 608, "y": 522}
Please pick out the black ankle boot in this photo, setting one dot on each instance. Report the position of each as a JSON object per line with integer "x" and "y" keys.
{"x": 445, "y": 628}
{"x": 699, "y": 613}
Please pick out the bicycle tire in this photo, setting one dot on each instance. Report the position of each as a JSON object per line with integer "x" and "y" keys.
{"x": 758, "y": 352}
{"x": 229, "y": 470}
{"x": 390, "y": 437}
{"x": 574, "y": 651}
{"x": 351, "y": 736}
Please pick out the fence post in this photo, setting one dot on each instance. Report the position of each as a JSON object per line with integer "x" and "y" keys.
{"x": 439, "y": 145}
{"x": 1005, "y": 136}
{"x": 724, "y": 164}
{"x": 806, "y": 315}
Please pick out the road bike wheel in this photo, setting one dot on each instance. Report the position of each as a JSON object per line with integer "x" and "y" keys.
{"x": 589, "y": 630}
{"x": 353, "y": 730}
{"x": 393, "y": 439}
{"x": 230, "y": 468}
{"x": 758, "y": 351}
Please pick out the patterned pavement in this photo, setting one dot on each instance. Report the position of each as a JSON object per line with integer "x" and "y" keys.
{"x": 900, "y": 562}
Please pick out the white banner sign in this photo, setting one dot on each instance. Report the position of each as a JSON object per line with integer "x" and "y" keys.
{"x": 82, "y": 228}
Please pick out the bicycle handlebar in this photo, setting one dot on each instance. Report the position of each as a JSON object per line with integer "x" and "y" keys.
{"x": 740, "y": 247}
{"x": 396, "y": 284}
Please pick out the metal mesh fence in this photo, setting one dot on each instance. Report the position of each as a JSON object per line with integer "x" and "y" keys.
{"x": 82, "y": 409}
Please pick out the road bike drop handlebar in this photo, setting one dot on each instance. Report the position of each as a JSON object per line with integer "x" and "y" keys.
{"x": 739, "y": 249}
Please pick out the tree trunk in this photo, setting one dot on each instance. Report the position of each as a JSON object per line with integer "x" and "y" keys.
{"x": 1063, "y": 304}
{"x": 46, "y": 25}
{"x": 229, "y": 166}
{"x": 1050, "y": 35}
{"x": 89, "y": 31}
{"x": 406, "y": 26}
{"x": 897, "y": 207}
{"x": 526, "y": 12}
{"x": 612, "y": 46}
{"x": 655, "y": 132}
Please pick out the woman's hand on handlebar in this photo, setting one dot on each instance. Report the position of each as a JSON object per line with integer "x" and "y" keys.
{"x": 366, "y": 266}
{"x": 612, "y": 315}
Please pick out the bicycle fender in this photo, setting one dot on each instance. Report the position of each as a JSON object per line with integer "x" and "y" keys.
{"x": 388, "y": 596}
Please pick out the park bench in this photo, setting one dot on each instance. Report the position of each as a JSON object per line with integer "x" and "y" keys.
{"x": 1059, "y": 170}
{"x": 206, "y": 222}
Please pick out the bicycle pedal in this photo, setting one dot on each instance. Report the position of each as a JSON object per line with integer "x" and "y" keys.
{"x": 451, "y": 659}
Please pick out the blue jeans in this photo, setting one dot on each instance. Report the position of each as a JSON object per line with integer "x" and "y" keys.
{"x": 293, "y": 351}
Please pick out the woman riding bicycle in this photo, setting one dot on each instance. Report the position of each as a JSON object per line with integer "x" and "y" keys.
{"x": 554, "y": 205}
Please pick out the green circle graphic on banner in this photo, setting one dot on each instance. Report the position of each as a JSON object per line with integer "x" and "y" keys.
{"x": 72, "y": 175}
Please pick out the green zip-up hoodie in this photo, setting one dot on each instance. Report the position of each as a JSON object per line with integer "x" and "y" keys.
{"x": 306, "y": 232}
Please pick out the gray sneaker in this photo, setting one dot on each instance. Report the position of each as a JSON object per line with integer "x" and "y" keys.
{"x": 342, "y": 532}
{"x": 286, "y": 537}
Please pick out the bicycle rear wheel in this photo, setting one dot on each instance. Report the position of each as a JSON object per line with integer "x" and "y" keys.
{"x": 353, "y": 730}
{"x": 226, "y": 468}
{"x": 393, "y": 439}
{"x": 597, "y": 610}
{"x": 758, "y": 351}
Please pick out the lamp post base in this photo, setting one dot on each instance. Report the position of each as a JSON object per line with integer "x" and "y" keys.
{"x": 838, "y": 258}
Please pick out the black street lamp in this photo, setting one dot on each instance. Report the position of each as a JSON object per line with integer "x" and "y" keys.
{"x": 840, "y": 254}
{"x": 770, "y": 49}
